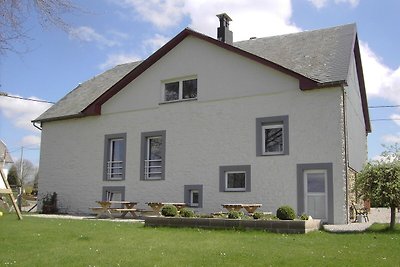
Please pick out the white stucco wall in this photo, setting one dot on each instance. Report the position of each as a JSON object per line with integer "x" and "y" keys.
{"x": 217, "y": 129}
{"x": 357, "y": 136}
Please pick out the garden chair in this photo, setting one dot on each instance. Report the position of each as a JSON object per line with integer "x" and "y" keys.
{"x": 360, "y": 211}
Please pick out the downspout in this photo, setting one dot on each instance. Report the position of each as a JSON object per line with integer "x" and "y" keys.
{"x": 345, "y": 154}
{"x": 38, "y": 127}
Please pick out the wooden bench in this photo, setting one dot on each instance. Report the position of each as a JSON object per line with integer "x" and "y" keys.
{"x": 124, "y": 211}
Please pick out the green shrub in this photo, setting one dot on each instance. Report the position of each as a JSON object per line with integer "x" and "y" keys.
{"x": 233, "y": 214}
{"x": 186, "y": 213}
{"x": 304, "y": 217}
{"x": 49, "y": 203}
{"x": 285, "y": 213}
{"x": 169, "y": 211}
{"x": 258, "y": 215}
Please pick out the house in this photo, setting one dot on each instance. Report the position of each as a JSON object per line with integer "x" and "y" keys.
{"x": 280, "y": 120}
{"x": 5, "y": 158}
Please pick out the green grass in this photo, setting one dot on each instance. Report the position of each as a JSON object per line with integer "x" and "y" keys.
{"x": 61, "y": 242}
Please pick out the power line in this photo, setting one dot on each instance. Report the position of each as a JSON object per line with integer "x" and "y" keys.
{"x": 25, "y": 98}
{"x": 387, "y": 106}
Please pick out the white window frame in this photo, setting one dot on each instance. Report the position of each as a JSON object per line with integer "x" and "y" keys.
{"x": 111, "y": 169}
{"x": 241, "y": 189}
{"x": 180, "y": 92}
{"x": 273, "y": 126}
{"x": 147, "y": 160}
{"x": 191, "y": 192}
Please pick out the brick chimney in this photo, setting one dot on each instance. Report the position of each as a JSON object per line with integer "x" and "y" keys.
{"x": 223, "y": 33}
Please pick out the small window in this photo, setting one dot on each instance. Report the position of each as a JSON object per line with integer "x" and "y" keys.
{"x": 194, "y": 198}
{"x": 193, "y": 195}
{"x": 235, "y": 181}
{"x": 153, "y": 156}
{"x": 113, "y": 193}
{"x": 114, "y": 159}
{"x": 180, "y": 90}
{"x": 272, "y": 136}
{"x": 235, "y": 178}
{"x": 272, "y": 139}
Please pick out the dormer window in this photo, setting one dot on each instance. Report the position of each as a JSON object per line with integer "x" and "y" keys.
{"x": 178, "y": 90}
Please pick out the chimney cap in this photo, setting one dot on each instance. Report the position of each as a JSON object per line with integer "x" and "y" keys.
{"x": 224, "y": 16}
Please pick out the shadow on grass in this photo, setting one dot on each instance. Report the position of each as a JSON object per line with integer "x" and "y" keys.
{"x": 383, "y": 228}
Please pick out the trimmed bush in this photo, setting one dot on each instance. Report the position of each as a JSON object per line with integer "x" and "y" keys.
{"x": 169, "y": 211}
{"x": 258, "y": 215}
{"x": 186, "y": 213}
{"x": 233, "y": 214}
{"x": 285, "y": 213}
{"x": 304, "y": 217}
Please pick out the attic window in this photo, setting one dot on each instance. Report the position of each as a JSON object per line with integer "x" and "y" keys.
{"x": 178, "y": 90}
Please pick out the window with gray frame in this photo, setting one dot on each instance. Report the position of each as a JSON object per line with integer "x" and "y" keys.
{"x": 113, "y": 193}
{"x": 153, "y": 155}
{"x": 272, "y": 136}
{"x": 180, "y": 90}
{"x": 236, "y": 178}
{"x": 193, "y": 195}
{"x": 114, "y": 156}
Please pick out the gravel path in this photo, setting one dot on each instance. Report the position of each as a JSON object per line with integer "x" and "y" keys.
{"x": 379, "y": 215}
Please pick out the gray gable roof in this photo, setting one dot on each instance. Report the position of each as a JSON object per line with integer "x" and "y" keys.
{"x": 84, "y": 94}
{"x": 321, "y": 57}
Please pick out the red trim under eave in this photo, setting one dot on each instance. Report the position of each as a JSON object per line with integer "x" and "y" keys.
{"x": 95, "y": 107}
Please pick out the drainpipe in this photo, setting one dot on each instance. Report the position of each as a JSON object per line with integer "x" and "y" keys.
{"x": 345, "y": 154}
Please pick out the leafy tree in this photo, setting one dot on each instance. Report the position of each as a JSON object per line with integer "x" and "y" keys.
{"x": 14, "y": 13}
{"x": 12, "y": 177}
{"x": 379, "y": 181}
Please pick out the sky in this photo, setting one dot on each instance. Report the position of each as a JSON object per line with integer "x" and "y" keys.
{"x": 51, "y": 62}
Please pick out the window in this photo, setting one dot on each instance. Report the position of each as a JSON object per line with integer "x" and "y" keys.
{"x": 272, "y": 136}
{"x": 235, "y": 181}
{"x": 235, "y": 178}
{"x": 114, "y": 157}
{"x": 194, "y": 198}
{"x": 115, "y": 193}
{"x": 153, "y": 155}
{"x": 180, "y": 90}
{"x": 193, "y": 195}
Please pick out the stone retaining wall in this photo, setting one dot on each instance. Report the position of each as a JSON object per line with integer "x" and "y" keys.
{"x": 292, "y": 227}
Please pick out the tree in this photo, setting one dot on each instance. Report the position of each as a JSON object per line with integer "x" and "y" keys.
{"x": 12, "y": 177}
{"x": 28, "y": 171}
{"x": 379, "y": 181}
{"x": 14, "y": 13}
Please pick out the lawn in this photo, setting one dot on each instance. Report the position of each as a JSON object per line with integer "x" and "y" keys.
{"x": 65, "y": 242}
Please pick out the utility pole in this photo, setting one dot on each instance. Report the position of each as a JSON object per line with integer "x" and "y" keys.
{"x": 21, "y": 166}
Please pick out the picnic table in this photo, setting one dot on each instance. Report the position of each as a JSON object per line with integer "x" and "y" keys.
{"x": 157, "y": 206}
{"x": 250, "y": 208}
{"x": 106, "y": 208}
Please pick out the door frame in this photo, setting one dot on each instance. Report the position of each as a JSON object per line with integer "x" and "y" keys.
{"x": 328, "y": 167}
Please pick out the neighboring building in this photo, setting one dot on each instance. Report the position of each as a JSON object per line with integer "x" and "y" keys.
{"x": 279, "y": 121}
{"x": 5, "y": 158}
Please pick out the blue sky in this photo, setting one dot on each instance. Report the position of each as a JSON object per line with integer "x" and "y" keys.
{"x": 109, "y": 32}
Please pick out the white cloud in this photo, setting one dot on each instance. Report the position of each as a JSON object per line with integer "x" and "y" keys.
{"x": 391, "y": 138}
{"x": 353, "y": 3}
{"x": 319, "y": 3}
{"x": 30, "y": 140}
{"x": 380, "y": 80}
{"x": 22, "y": 112}
{"x": 88, "y": 34}
{"x": 118, "y": 58}
{"x": 156, "y": 42}
{"x": 160, "y": 13}
{"x": 323, "y": 3}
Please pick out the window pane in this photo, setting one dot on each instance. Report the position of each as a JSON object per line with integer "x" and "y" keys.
{"x": 172, "y": 91}
{"x": 194, "y": 196}
{"x": 316, "y": 182}
{"x": 190, "y": 89}
{"x": 155, "y": 144}
{"x": 273, "y": 139}
{"x": 117, "y": 148}
{"x": 236, "y": 180}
